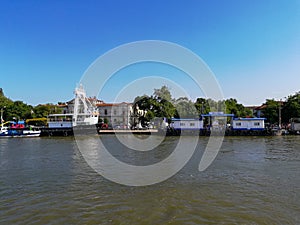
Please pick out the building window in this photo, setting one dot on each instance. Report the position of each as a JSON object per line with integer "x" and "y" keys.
{"x": 238, "y": 124}
{"x": 256, "y": 124}
{"x": 105, "y": 111}
{"x": 115, "y": 112}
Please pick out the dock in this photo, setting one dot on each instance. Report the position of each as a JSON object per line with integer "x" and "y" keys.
{"x": 117, "y": 131}
{"x": 88, "y": 131}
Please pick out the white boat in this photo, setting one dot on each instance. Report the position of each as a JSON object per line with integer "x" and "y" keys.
{"x": 26, "y": 132}
{"x": 23, "y": 132}
{"x": 18, "y": 130}
{"x": 3, "y": 130}
{"x": 82, "y": 115}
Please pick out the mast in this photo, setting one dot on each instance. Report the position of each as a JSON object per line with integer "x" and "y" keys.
{"x": 2, "y": 116}
{"x": 80, "y": 97}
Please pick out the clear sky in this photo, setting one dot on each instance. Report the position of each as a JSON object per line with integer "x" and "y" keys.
{"x": 252, "y": 46}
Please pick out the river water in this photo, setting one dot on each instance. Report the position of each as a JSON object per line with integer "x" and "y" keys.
{"x": 253, "y": 180}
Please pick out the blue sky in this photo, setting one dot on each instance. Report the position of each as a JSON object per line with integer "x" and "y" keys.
{"x": 253, "y": 47}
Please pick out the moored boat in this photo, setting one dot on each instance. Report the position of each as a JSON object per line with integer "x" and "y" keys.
{"x": 18, "y": 129}
{"x": 82, "y": 118}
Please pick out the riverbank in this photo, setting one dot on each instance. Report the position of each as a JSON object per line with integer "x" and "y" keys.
{"x": 92, "y": 130}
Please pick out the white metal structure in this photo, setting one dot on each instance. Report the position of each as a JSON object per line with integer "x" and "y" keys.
{"x": 84, "y": 113}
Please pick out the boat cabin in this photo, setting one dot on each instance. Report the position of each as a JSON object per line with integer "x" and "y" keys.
{"x": 248, "y": 124}
{"x": 186, "y": 124}
{"x": 217, "y": 120}
{"x": 60, "y": 120}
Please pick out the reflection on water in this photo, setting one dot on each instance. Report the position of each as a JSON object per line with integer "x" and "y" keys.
{"x": 254, "y": 180}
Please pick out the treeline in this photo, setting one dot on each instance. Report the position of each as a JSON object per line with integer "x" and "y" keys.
{"x": 161, "y": 104}
{"x": 18, "y": 110}
{"x": 290, "y": 108}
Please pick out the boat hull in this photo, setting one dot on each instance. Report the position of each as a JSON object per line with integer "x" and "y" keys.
{"x": 21, "y": 133}
{"x": 70, "y": 131}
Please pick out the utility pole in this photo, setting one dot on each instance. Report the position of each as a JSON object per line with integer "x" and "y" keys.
{"x": 2, "y": 109}
{"x": 279, "y": 112}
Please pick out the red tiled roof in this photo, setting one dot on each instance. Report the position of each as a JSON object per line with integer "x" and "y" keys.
{"x": 112, "y": 104}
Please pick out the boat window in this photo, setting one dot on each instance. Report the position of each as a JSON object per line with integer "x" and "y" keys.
{"x": 256, "y": 124}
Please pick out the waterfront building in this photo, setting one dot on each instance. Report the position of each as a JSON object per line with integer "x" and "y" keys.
{"x": 248, "y": 124}
{"x": 186, "y": 124}
{"x": 218, "y": 120}
{"x": 116, "y": 114}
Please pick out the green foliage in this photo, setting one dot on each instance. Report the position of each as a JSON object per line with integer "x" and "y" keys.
{"x": 216, "y": 106}
{"x": 233, "y": 107}
{"x": 105, "y": 121}
{"x": 291, "y": 109}
{"x": 5, "y": 103}
{"x": 163, "y": 93}
{"x": 271, "y": 111}
{"x": 157, "y": 105}
{"x": 15, "y": 110}
{"x": 18, "y": 110}
{"x": 149, "y": 115}
{"x": 202, "y": 105}
{"x": 185, "y": 108}
{"x": 43, "y": 110}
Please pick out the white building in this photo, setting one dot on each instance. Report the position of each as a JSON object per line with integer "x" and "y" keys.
{"x": 117, "y": 114}
{"x": 186, "y": 124}
{"x": 295, "y": 124}
{"x": 248, "y": 124}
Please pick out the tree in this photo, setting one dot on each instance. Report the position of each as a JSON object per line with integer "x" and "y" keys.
{"x": 291, "y": 108}
{"x": 202, "y": 105}
{"x": 18, "y": 111}
{"x": 163, "y": 93}
{"x": 185, "y": 108}
{"x": 233, "y": 107}
{"x": 270, "y": 112}
{"x": 43, "y": 110}
{"x": 216, "y": 106}
{"x": 149, "y": 115}
{"x": 157, "y": 105}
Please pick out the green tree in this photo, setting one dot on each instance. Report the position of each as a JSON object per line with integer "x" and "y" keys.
{"x": 202, "y": 105}
{"x": 158, "y": 105}
{"x": 216, "y": 106}
{"x": 149, "y": 115}
{"x": 18, "y": 110}
{"x": 270, "y": 112}
{"x": 291, "y": 108}
{"x": 163, "y": 93}
{"x": 233, "y": 107}
{"x": 185, "y": 108}
{"x": 43, "y": 110}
